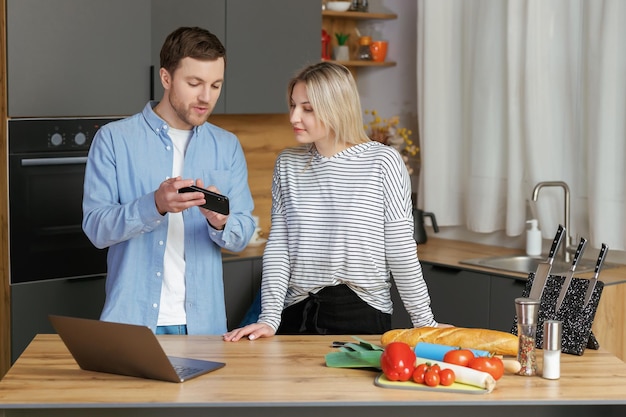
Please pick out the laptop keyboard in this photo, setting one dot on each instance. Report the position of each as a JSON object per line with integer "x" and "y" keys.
{"x": 184, "y": 371}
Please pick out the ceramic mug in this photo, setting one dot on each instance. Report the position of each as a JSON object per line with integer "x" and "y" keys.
{"x": 378, "y": 50}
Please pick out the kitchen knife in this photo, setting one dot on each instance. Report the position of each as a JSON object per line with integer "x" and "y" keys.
{"x": 594, "y": 279}
{"x": 570, "y": 273}
{"x": 543, "y": 269}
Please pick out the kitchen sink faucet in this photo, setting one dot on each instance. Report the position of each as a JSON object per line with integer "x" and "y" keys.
{"x": 568, "y": 239}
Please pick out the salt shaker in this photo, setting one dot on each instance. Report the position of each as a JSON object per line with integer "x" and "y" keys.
{"x": 552, "y": 330}
{"x": 527, "y": 310}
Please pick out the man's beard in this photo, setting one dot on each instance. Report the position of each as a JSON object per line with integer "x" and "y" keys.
{"x": 187, "y": 115}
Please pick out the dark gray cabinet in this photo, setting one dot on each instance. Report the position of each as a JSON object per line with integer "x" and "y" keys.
{"x": 242, "y": 280}
{"x": 32, "y": 302}
{"x": 77, "y": 57}
{"x": 466, "y": 298}
{"x": 168, "y": 15}
{"x": 400, "y": 318}
{"x": 267, "y": 42}
{"x": 458, "y": 297}
{"x": 504, "y": 291}
{"x": 80, "y": 58}
{"x": 84, "y": 297}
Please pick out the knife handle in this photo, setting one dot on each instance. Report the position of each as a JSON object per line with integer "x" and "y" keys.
{"x": 579, "y": 250}
{"x": 601, "y": 256}
{"x": 557, "y": 241}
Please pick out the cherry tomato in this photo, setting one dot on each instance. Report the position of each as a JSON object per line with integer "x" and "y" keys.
{"x": 492, "y": 365}
{"x": 435, "y": 368}
{"x": 446, "y": 377}
{"x": 418, "y": 374}
{"x": 431, "y": 378}
{"x": 461, "y": 357}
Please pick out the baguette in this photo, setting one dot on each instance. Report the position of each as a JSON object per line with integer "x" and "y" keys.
{"x": 500, "y": 343}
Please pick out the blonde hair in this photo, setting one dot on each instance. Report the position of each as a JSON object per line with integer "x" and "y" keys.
{"x": 334, "y": 97}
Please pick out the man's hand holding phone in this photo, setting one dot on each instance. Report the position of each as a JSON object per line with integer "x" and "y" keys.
{"x": 216, "y": 207}
{"x": 214, "y": 201}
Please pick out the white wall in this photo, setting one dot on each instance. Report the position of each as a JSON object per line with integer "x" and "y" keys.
{"x": 393, "y": 91}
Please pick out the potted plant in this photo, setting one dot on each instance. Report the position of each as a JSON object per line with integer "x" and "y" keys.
{"x": 342, "y": 52}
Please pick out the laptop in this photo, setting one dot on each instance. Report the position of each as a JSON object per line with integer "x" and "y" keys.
{"x": 124, "y": 349}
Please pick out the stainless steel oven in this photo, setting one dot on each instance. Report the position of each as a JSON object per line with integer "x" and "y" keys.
{"x": 46, "y": 169}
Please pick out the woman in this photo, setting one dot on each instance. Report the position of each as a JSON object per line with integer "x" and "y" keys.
{"x": 341, "y": 222}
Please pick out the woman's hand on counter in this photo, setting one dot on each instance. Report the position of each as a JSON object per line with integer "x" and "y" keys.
{"x": 252, "y": 331}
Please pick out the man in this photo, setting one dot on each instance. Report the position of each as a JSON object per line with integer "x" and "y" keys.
{"x": 164, "y": 266}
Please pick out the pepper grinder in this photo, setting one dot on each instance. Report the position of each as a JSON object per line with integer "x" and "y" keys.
{"x": 527, "y": 310}
{"x": 552, "y": 330}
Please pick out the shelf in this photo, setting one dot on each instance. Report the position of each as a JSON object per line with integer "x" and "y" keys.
{"x": 359, "y": 15}
{"x": 355, "y": 63}
{"x": 347, "y": 22}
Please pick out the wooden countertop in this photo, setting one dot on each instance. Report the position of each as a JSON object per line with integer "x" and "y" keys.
{"x": 284, "y": 371}
{"x": 447, "y": 252}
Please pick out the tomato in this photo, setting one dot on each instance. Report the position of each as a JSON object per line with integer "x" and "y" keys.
{"x": 431, "y": 378}
{"x": 418, "y": 374}
{"x": 446, "y": 377}
{"x": 461, "y": 357}
{"x": 435, "y": 368}
{"x": 492, "y": 365}
{"x": 398, "y": 361}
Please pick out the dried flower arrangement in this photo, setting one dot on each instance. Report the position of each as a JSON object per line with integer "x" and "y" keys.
{"x": 387, "y": 131}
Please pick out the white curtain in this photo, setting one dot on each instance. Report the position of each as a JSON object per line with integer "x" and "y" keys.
{"x": 516, "y": 92}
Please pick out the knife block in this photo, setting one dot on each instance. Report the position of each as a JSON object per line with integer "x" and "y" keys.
{"x": 577, "y": 321}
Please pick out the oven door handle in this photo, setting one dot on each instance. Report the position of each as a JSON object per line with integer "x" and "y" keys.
{"x": 70, "y": 160}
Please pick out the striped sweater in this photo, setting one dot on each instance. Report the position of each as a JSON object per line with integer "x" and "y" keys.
{"x": 348, "y": 220}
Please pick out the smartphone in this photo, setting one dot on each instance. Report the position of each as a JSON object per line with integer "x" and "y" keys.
{"x": 214, "y": 201}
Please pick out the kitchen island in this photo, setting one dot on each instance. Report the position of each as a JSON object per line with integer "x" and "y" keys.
{"x": 286, "y": 375}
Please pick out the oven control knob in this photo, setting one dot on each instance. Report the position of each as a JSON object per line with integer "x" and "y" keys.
{"x": 56, "y": 139}
{"x": 80, "y": 138}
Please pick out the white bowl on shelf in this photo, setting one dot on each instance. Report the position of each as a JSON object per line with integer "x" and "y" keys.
{"x": 338, "y": 6}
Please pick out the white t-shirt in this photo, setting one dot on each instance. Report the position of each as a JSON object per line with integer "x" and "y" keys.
{"x": 172, "y": 310}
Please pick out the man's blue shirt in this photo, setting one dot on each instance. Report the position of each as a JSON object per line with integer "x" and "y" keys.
{"x": 127, "y": 162}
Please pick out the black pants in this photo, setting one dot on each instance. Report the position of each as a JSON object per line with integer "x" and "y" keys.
{"x": 333, "y": 310}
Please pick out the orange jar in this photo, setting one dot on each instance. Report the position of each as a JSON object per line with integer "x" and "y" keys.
{"x": 364, "y": 48}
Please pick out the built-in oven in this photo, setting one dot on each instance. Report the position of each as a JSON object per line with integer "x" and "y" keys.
{"x": 54, "y": 268}
{"x": 47, "y": 160}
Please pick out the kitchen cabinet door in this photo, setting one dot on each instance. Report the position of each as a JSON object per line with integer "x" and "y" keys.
{"x": 77, "y": 57}
{"x": 168, "y": 15}
{"x": 267, "y": 42}
{"x": 400, "y": 318}
{"x": 238, "y": 293}
{"x": 504, "y": 291}
{"x": 31, "y": 303}
{"x": 242, "y": 282}
{"x": 458, "y": 297}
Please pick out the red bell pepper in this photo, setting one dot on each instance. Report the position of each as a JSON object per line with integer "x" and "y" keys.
{"x": 398, "y": 361}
